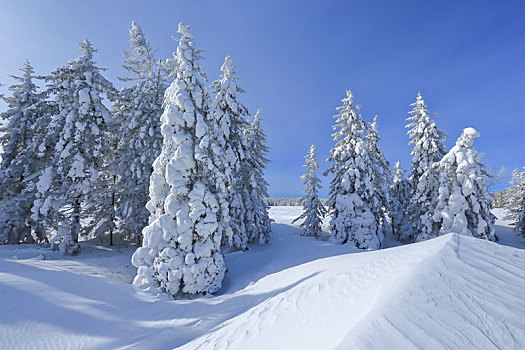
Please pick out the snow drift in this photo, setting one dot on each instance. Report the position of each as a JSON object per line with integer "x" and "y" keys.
{"x": 452, "y": 292}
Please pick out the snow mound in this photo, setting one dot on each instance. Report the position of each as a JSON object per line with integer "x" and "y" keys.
{"x": 452, "y": 292}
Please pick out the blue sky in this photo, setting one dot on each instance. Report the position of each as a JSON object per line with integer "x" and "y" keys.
{"x": 297, "y": 58}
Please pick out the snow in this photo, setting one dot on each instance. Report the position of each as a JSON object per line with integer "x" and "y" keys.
{"x": 452, "y": 292}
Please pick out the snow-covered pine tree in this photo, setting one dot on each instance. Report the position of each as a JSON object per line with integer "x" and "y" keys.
{"x": 400, "y": 205}
{"x": 352, "y": 189}
{"x": 16, "y": 135}
{"x": 313, "y": 209}
{"x": 231, "y": 117}
{"x": 516, "y": 201}
{"x": 71, "y": 189}
{"x": 463, "y": 205}
{"x": 428, "y": 148}
{"x": 258, "y": 223}
{"x": 382, "y": 174}
{"x": 180, "y": 252}
{"x": 137, "y": 110}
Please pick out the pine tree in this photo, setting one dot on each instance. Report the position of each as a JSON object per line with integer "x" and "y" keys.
{"x": 463, "y": 205}
{"x": 382, "y": 174}
{"x": 428, "y": 142}
{"x": 313, "y": 209}
{"x": 258, "y": 223}
{"x": 137, "y": 110}
{"x": 72, "y": 190}
{"x": 231, "y": 117}
{"x": 180, "y": 253}
{"x": 400, "y": 206}
{"x": 516, "y": 201}
{"x": 17, "y": 133}
{"x": 352, "y": 190}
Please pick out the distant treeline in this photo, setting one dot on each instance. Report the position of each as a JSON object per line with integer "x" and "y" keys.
{"x": 285, "y": 201}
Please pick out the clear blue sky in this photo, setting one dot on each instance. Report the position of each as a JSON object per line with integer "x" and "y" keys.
{"x": 297, "y": 58}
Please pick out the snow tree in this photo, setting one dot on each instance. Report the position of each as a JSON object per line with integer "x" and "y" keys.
{"x": 352, "y": 190}
{"x": 516, "y": 201}
{"x": 137, "y": 110}
{"x": 16, "y": 136}
{"x": 180, "y": 252}
{"x": 400, "y": 205}
{"x": 382, "y": 176}
{"x": 313, "y": 209}
{"x": 463, "y": 204}
{"x": 231, "y": 118}
{"x": 72, "y": 190}
{"x": 258, "y": 223}
{"x": 428, "y": 148}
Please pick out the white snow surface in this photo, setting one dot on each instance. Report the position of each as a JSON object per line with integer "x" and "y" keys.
{"x": 452, "y": 292}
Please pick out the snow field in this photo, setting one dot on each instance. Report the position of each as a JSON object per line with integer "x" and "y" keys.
{"x": 295, "y": 292}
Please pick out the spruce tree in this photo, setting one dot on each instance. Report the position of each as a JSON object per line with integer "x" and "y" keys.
{"x": 516, "y": 201}
{"x": 313, "y": 209}
{"x": 16, "y": 137}
{"x": 72, "y": 191}
{"x": 382, "y": 174}
{"x": 231, "y": 118}
{"x": 180, "y": 253}
{"x": 400, "y": 206}
{"x": 428, "y": 148}
{"x": 137, "y": 110}
{"x": 463, "y": 205}
{"x": 258, "y": 223}
{"x": 352, "y": 190}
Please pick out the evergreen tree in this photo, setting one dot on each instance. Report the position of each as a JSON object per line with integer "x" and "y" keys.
{"x": 352, "y": 190}
{"x": 428, "y": 148}
{"x": 72, "y": 190}
{"x": 16, "y": 135}
{"x": 313, "y": 209}
{"x": 258, "y": 223}
{"x": 382, "y": 174}
{"x": 463, "y": 205}
{"x": 516, "y": 201}
{"x": 180, "y": 252}
{"x": 400, "y": 195}
{"x": 137, "y": 110}
{"x": 231, "y": 117}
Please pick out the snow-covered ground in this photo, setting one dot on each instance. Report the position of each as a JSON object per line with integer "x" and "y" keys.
{"x": 294, "y": 293}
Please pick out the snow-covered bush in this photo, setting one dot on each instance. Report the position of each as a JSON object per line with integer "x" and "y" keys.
{"x": 180, "y": 252}
{"x": 428, "y": 148}
{"x": 400, "y": 206}
{"x": 352, "y": 190}
{"x": 463, "y": 205}
{"x": 313, "y": 209}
